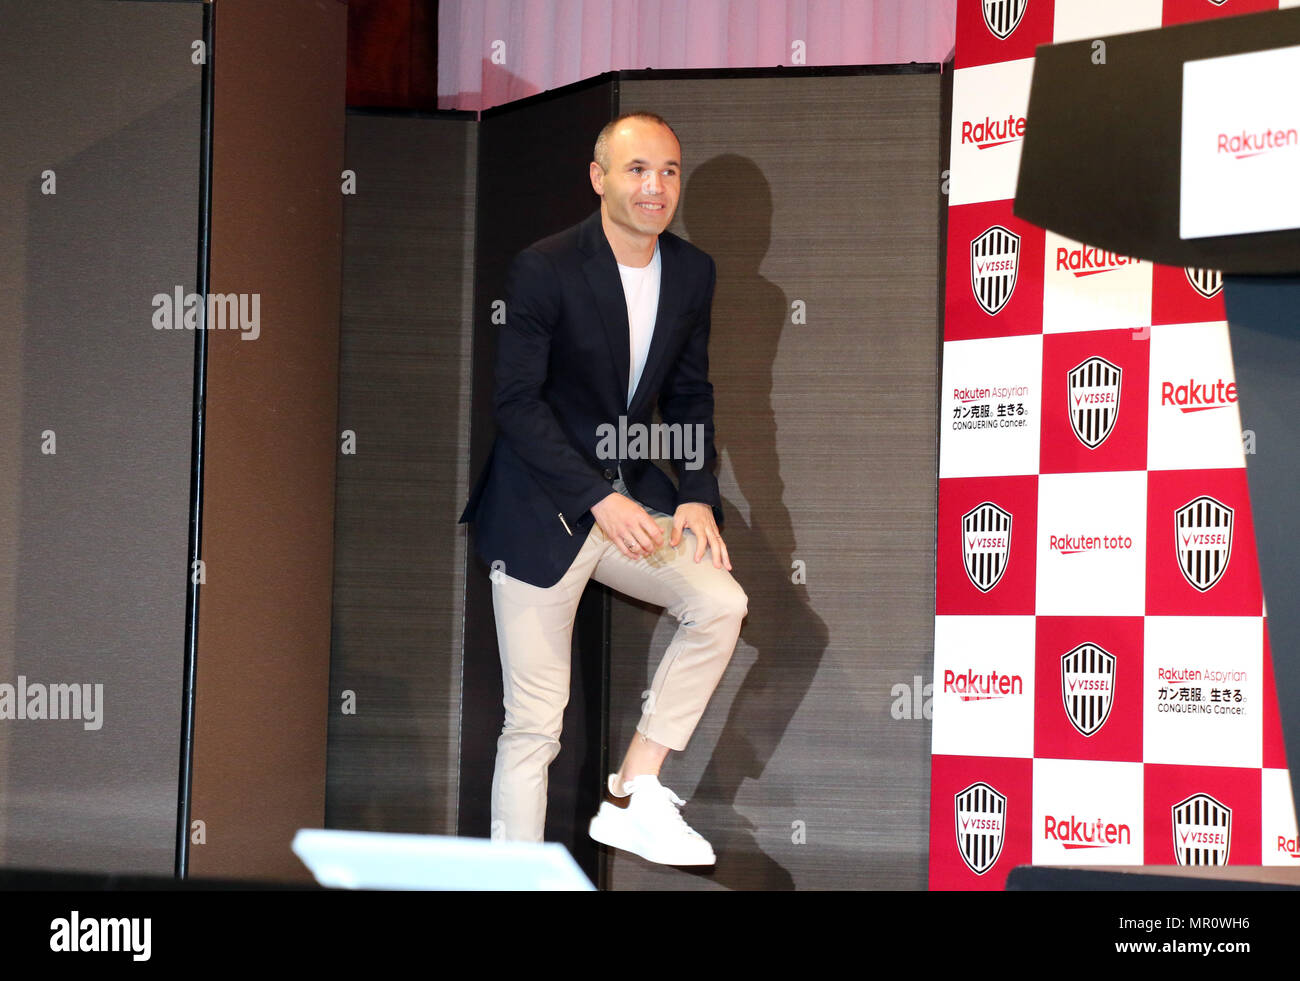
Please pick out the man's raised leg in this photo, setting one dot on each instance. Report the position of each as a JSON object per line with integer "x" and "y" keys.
{"x": 638, "y": 813}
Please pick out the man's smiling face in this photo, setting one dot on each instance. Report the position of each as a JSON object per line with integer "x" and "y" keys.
{"x": 640, "y": 191}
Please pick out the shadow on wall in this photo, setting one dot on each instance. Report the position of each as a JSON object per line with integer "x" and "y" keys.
{"x": 727, "y": 212}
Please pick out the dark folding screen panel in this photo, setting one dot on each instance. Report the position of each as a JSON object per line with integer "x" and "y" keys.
{"x": 404, "y": 391}
{"x": 99, "y": 228}
{"x": 819, "y": 199}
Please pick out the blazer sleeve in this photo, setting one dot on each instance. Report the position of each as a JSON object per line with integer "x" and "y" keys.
{"x": 686, "y": 397}
{"x": 523, "y": 417}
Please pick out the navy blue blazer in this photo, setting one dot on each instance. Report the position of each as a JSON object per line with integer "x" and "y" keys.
{"x": 562, "y": 372}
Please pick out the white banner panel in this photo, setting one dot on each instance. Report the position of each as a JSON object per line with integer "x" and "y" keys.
{"x": 1241, "y": 144}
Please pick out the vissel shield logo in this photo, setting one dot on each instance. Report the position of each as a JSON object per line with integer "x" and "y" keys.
{"x": 994, "y": 262}
{"x": 1088, "y": 686}
{"x": 1093, "y": 395}
{"x": 1202, "y": 831}
{"x": 985, "y": 544}
{"x": 1002, "y": 17}
{"x": 1203, "y": 532}
{"x": 1207, "y": 282}
{"x": 981, "y": 826}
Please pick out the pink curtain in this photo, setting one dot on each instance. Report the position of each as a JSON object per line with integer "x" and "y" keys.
{"x": 495, "y": 51}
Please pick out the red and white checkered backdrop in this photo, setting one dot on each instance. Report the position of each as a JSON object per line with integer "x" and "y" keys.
{"x": 1103, "y": 692}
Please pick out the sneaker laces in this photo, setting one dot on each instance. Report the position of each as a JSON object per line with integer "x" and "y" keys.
{"x": 664, "y": 797}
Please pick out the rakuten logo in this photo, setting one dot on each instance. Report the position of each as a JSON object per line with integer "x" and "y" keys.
{"x": 978, "y": 393}
{"x": 1073, "y": 833}
{"x": 1194, "y": 396}
{"x": 972, "y": 687}
{"x": 1073, "y": 544}
{"x": 1200, "y": 674}
{"x": 1287, "y": 846}
{"x": 1087, "y": 261}
{"x": 990, "y": 132}
{"x": 1245, "y": 144}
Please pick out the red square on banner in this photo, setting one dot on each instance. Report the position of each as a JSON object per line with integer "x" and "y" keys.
{"x": 1186, "y": 11}
{"x": 1186, "y": 296}
{"x": 1088, "y": 688}
{"x": 995, "y": 273}
{"x": 1201, "y": 815}
{"x": 1274, "y": 745}
{"x": 1201, "y": 555}
{"x": 987, "y": 548}
{"x": 981, "y": 816}
{"x": 1001, "y": 30}
{"x": 1094, "y": 401}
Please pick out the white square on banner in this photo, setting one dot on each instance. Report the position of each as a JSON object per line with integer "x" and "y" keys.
{"x": 983, "y": 686}
{"x": 1203, "y": 691}
{"x": 1087, "y": 288}
{"x": 1092, "y": 533}
{"x": 1078, "y": 20}
{"x": 1192, "y": 418}
{"x": 988, "y": 130}
{"x": 991, "y": 409}
{"x": 1240, "y": 144}
{"x": 1087, "y": 813}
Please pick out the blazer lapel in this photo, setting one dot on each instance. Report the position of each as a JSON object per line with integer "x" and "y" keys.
{"x": 601, "y": 272}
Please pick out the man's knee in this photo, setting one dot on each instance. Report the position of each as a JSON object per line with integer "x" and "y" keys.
{"x": 544, "y": 725}
{"x": 723, "y": 603}
{"x": 736, "y": 602}
{"x": 542, "y": 744}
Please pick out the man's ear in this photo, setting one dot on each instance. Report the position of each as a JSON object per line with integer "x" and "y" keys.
{"x": 597, "y": 178}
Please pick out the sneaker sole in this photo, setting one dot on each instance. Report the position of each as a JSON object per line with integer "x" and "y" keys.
{"x": 598, "y": 831}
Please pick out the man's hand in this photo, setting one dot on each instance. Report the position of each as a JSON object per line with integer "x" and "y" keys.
{"x": 628, "y": 526}
{"x": 699, "y": 519}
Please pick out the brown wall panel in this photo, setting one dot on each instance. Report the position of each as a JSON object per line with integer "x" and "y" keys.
{"x": 271, "y": 444}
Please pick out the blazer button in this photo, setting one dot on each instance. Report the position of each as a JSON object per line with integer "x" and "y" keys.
{"x": 608, "y": 474}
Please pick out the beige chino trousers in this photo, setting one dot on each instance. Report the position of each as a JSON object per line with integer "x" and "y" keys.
{"x": 534, "y": 634}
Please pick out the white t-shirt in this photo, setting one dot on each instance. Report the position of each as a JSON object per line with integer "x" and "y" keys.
{"x": 641, "y": 290}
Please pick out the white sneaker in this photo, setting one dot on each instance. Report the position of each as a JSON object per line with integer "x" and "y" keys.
{"x": 646, "y": 823}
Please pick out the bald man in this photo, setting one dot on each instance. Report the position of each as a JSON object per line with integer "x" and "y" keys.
{"x": 604, "y": 321}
